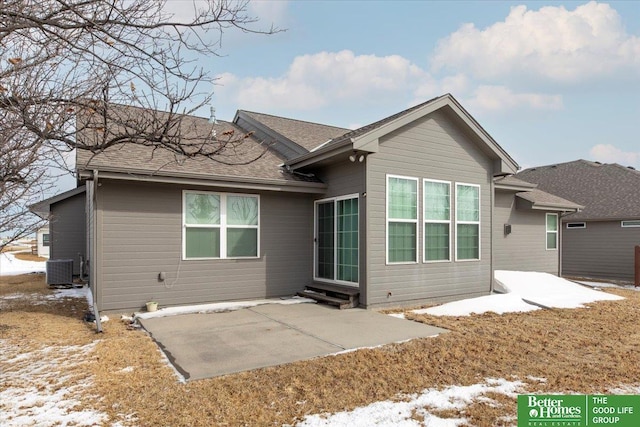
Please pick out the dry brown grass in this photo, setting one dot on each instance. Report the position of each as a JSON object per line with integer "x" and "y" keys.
{"x": 579, "y": 351}
{"x": 9, "y": 248}
{"x": 28, "y": 256}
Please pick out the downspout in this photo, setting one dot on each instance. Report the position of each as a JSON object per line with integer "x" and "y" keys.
{"x": 491, "y": 238}
{"x": 94, "y": 245}
{"x": 560, "y": 231}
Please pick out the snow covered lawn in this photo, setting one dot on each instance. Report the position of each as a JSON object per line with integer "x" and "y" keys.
{"x": 55, "y": 370}
{"x": 11, "y": 266}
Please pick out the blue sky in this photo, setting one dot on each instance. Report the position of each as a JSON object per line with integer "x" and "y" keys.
{"x": 550, "y": 81}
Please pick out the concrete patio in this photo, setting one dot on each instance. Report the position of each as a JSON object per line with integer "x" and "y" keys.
{"x": 212, "y": 344}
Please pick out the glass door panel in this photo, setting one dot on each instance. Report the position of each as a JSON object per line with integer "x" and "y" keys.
{"x": 325, "y": 255}
{"x": 347, "y": 236}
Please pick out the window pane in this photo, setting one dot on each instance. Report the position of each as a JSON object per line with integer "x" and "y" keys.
{"x": 552, "y": 241}
{"x": 202, "y": 208}
{"x": 347, "y": 240}
{"x": 45, "y": 240}
{"x": 242, "y": 210}
{"x": 436, "y": 201}
{"x": 468, "y": 203}
{"x": 402, "y": 242}
{"x": 552, "y": 222}
{"x": 436, "y": 242}
{"x": 468, "y": 239}
{"x": 242, "y": 242}
{"x": 203, "y": 243}
{"x": 403, "y": 198}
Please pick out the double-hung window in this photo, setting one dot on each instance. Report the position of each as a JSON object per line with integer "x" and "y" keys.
{"x": 437, "y": 220}
{"x": 467, "y": 222}
{"x": 552, "y": 231}
{"x": 402, "y": 219}
{"x": 220, "y": 225}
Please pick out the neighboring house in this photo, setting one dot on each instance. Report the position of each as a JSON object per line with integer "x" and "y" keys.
{"x": 399, "y": 212}
{"x": 599, "y": 240}
{"x": 67, "y": 231}
{"x": 43, "y": 242}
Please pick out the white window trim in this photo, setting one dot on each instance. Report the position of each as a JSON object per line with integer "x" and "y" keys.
{"x": 479, "y": 222}
{"x": 335, "y": 232}
{"x": 577, "y": 225}
{"x": 622, "y": 223}
{"x": 432, "y": 221}
{"x": 546, "y": 227}
{"x": 416, "y": 221}
{"x": 222, "y": 226}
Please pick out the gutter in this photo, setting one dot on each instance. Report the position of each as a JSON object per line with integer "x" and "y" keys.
{"x": 220, "y": 181}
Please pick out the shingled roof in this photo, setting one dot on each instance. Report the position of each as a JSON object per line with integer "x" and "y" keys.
{"x": 308, "y": 135}
{"x": 607, "y": 191}
{"x": 138, "y": 160}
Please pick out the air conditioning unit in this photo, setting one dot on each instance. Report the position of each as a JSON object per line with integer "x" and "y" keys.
{"x": 60, "y": 272}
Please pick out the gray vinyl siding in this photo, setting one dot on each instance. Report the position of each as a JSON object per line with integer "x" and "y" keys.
{"x": 525, "y": 249}
{"x": 141, "y": 232}
{"x": 67, "y": 227}
{"x": 433, "y": 147}
{"x": 602, "y": 250}
{"x": 342, "y": 179}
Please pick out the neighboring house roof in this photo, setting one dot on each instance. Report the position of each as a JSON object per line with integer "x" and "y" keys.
{"x": 308, "y": 135}
{"x": 251, "y": 164}
{"x": 366, "y": 138}
{"x": 43, "y": 207}
{"x": 534, "y": 197}
{"x": 607, "y": 191}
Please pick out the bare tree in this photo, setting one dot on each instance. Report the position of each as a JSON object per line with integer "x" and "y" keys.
{"x": 71, "y": 65}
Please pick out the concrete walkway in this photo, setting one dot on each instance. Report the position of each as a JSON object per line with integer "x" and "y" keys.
{"x": 214, "y": 344}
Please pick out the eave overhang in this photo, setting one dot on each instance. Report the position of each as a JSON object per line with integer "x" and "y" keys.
{"x": 245, "y": 183}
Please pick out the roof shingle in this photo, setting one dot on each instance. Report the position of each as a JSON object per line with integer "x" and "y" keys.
{"x": 306, "y": 134}
{"x": 607, "y": 191}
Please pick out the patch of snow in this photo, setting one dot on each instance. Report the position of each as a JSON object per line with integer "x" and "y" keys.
{"x": 37, "y": 394}
{"x": 549, "y": 290}
{"x": 126, "y": 370}
{"x": 498, "y": 303}
{"x": 218, "y": 307}
{"x": 400, "y": 413}
{"x": 69, "y": 293}
{"x": 12, "y": 266}
{"x": 523, "y": 291}
{"x": 625, "y": 389}
{"x": 398, "y": 315}
{"x": 602, "y": 285}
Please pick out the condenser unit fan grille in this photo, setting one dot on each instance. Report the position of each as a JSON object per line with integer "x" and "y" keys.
{"x": 60, "y": 272}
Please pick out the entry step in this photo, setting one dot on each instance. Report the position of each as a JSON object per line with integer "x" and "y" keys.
{"x": 341, "y": 296}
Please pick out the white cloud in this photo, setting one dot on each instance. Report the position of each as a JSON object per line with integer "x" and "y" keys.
{"x": 501, "y": 98}
{"x": 314, "y": 81}
{"x": 608, "y": 153}
{"x": 552, "y": 42}
{"x": 270, "y": 12}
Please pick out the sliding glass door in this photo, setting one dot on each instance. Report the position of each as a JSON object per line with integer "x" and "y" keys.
{"x": 336, "y": 254}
